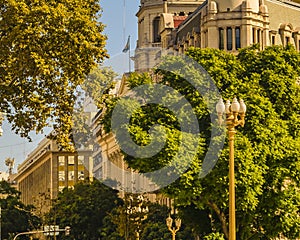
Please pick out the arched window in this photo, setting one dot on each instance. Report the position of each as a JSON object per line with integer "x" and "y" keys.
{"x": 156, "y": 35}
{"x": 287, "y": 40}
{"x": 285, "y": 31}
{"x": 273, "y": 39}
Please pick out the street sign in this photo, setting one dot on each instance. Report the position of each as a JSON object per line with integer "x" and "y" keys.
{"x": 51, "y": 230}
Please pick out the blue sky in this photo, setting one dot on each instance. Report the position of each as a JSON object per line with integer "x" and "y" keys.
{"x": 120, "y": 20}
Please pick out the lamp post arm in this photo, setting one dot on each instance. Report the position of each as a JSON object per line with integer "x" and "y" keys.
{"x": 176, "y": 230}
{"x": 173, "y": 231}
{"x": 27, "y": 233}
{"x": 35, "y": 232}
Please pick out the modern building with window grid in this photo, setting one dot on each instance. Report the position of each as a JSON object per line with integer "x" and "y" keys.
{"x": 47, "y": 171}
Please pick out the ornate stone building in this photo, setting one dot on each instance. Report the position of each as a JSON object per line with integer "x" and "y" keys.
{"x": 151, "y": 31}
{"x": 231, "y": 25}
{"x": 221, "y": 24}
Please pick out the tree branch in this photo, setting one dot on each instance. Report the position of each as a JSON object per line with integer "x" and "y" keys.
{"x": 221, "y": 217}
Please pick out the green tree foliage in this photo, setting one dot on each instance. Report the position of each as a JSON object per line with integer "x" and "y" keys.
{"x": 15, "y": 216}
{"x": 266, "y": 149}
{"x": 150, "y": 224}
{"x": 97, "y": 86}
{"x": 198, "y": 221}
{"x": 47, "y": 48}
{"x": 109, "y": 230}
{"x": 84, "y": 209}
{"x": 155, "y": 226}
{"x": 214, "y": 236}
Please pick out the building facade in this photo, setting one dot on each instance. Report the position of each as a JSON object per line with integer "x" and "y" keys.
{"x": 230, "y": 25}
{"x": 108, "y": 160}
{"x": 179, "y": 24}
{"x": 221, "y": 24}
{"x": 47, "y": 170}
{"x": 150, "y": 32}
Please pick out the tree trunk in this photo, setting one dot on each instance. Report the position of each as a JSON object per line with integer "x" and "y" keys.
{"x": 221, "y": 217}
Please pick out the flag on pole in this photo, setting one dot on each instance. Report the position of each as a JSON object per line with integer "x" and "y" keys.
{"x": 127, "y": 46}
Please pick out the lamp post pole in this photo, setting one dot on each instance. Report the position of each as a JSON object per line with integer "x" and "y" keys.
{"x": 233, "y": 111}
{"x": 1, "y": 120}
{"x": 0, "y": 222}
{"x": 232, "y": 224}
{"x": 1, "y": 132}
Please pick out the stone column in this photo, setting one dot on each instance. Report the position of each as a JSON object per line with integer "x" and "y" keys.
{"x": 233, "y": 39}
{"x": 213, "y": 37}
{"x": 225, "y": 38}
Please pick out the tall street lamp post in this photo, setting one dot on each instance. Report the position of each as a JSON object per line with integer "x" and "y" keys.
{"x": 1, "y": 132}
{"x": 235, "y": 116}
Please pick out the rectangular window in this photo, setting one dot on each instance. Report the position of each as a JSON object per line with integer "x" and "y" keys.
{"x": 61, "y": 160}
{"x": 71, "y": 160}
{"x": 81, "y": 160}
{"x": 61, "y": 175}
{"x": 229, "y": 38}
{"x": 253, "y": 35}
{"x": 221, "y": 38}
{"x": 71, "y": 175}
{"x": 98, "y": 174}
{"x": 156, "y": 34}
{"x": 237, "y": 38}
{"x": 287, "y": 41}
{"x": 80, "y": 175}
{"x": 258, "y": 35}
{"x": 299, "y": 45}
{"x": 273, "y": 40}
{"x": 97, "y": 159}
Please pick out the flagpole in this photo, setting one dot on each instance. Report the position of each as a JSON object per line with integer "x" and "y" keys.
{"x": 124, "y": 20}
